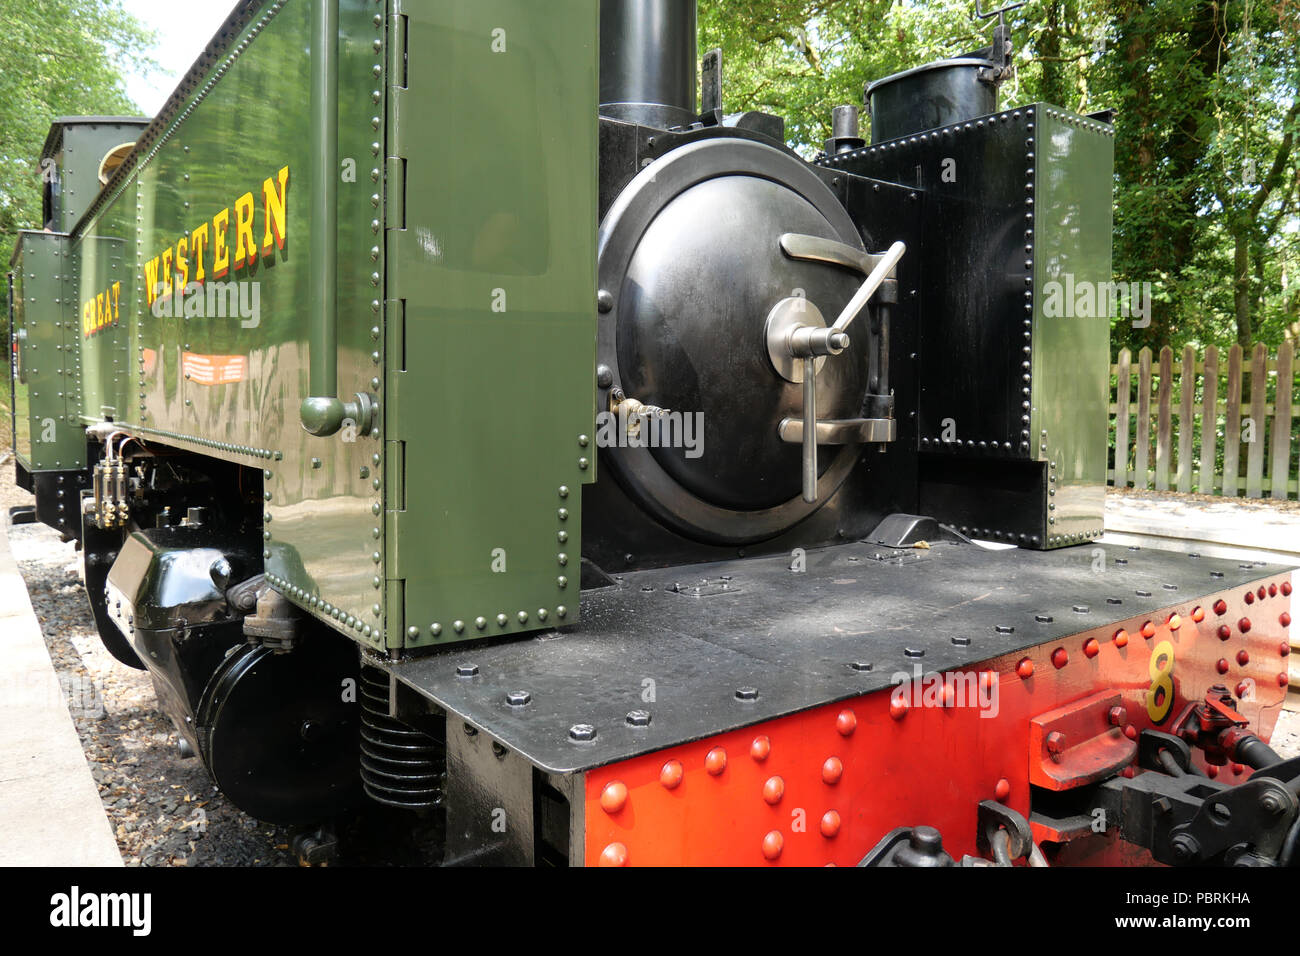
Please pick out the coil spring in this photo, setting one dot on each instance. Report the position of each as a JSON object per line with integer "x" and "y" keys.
{"x": 400, "y": 766}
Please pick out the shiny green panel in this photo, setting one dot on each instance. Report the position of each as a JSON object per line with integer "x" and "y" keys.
{"x": 82, "y": 146}
{"x": 1071, "y": 356}
{"x": 221, "y": 369}
{"x": 491, "y": 316}
{"x": 101, "y": 305}
{"x": 48, "y": 434}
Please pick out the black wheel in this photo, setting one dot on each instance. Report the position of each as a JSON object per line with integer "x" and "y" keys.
{"x": 280, "y": 733}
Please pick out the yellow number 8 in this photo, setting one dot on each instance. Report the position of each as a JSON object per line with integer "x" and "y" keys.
{"x": 1160, "y": 697}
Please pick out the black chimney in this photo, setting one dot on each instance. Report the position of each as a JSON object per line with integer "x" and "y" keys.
{"x": 647, "y": 61}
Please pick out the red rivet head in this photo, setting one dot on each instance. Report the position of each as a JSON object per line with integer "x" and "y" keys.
{"x": 774, "y": 790}
{"x": 671, "y": 774}
{"x": 949, "y": 696}
{"x": 1121, "y": 638}
{"x": 1263, "y": 592}
{"x": 614, "y": 797}
{"x": 832, "y": 770}
{"x": 614, "y": 855}
{"x": 1250, "y": 597}
{"x": 1238, "y": 769}
{"x": 1130, "y": 732}
{"x": 716, "y": 761}
{"x": 1060, "y": 658}
{"x": 1117, "y": 716}
{"x": 1283, "y": 679}
{"x": 1174, "y": 622}
{"x": 1284, "y": 649}
{"x": 1128, "y": 773}
{"x": 1222, "y": 665}
{"x": 1224, "y": 632}
{"x": 1198, "y": 614}
{"x": 1243, "y": 625}
{"x": 1149, "y": 629}
{"x": 846, "y": 721}
{"x": 898, "y": 707}
{"x": 1091, "y": 648}
{"x": 1272, "y": 590}
{"x": 830, "y": 824}
{"x": 1220, "y": 607}
{"x": 1025, "y": 669}
{"x": 1243, "y": 657}
{"x": 773, "y": 844}
{"x": 760, "y": 748}
{"x": 988, "y": 681}
{"x": 1285, "y": 588}
{"x": 1284, "y": 619}
{"x": 1211, "y": 771}
{"x": 1243, "y": 690}
{"x": 1002, "y": 790}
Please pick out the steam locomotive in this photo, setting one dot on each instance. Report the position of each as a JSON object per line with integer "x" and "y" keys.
{"x": 458, "y": 408}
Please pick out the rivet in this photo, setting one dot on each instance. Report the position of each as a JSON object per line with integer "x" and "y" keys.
{"x": 458, "y": 626}
{"x": 1025, "y": 669}
{"x": 715, "y": 761}
{"x": 670, "y": 776}
{"x": 830, "y": 825}
{"x": 1244, "y": 625}
{"x": 773, "y": 844}
{"x": 846, "y": 721}
{"x": 1002, "y": 790}
{"x": 773, "y": 790}
{"x": 1243, "y": 657}
{"x": 614, "y": 855}
{"x": 614, "y": 797}
{"x": 832, "y": 771}
{"x": 760, "y": 748}
{"x": 1091, "y": 648}
{"x": 898, "y": 708}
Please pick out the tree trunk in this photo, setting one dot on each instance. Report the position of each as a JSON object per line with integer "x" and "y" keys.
{"x": 1241, "y": 282}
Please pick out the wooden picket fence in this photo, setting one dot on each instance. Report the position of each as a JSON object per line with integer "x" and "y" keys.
{"x": 1220, "y": 427}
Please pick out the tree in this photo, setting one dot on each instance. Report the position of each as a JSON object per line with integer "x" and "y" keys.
{"x": 1207, "y": 175}
{"x": 57, "y": 58}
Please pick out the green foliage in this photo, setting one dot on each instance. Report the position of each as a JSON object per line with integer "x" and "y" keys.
{"x": 1207, "y": 177}
{"x": 57, "y": 58}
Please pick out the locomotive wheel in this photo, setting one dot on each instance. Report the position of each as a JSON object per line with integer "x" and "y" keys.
{"x": 280, "y": 732}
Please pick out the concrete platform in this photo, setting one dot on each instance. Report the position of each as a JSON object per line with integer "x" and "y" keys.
{"x": 50, "y": 811}
{"x": 1214, "y": 527}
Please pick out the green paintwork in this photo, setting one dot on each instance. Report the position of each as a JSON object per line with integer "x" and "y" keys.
{"x": 73, "y": 154}
{"x": 238, "y": 126}
{"x": 492, "y": 259}
{"x": 1073, "y": 182}
{"x": 46, "y": 431}
{"x": 465, "y": 287}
